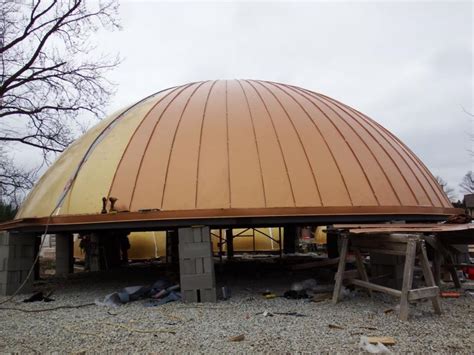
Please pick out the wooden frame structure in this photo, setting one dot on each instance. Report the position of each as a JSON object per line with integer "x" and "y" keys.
{"x": 410, "y": 246}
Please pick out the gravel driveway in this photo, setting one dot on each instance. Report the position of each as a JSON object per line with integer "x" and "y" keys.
{"x": 179, "y": 327}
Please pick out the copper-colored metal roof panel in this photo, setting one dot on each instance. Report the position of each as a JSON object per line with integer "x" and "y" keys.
{"x": 238, "y": 144}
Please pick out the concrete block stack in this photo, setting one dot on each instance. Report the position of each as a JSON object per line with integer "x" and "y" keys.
{"x": 196, "y": 265}
{"x": 17, "y": 253}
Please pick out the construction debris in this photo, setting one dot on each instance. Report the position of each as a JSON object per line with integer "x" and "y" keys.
{"x": 377, "y": 348}
{"x": 383, "y": 340}
{"x": 161, "y": 292}
{"x": 450, "y": 294}
{"x": 38, "y": 296}
{"x": 237, "y": 338}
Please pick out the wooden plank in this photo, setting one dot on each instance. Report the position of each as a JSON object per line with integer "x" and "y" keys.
{"x": 425, "y": 292}
{"x": 383, "y": 340}
{"x": 340, "y": 269}
{"x": 407, "y": 278}
{"x": 392, "y": 238}
{"x": 375, "y": 287}
{"x": 383, "y": 251}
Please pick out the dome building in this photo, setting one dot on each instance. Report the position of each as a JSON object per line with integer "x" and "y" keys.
{"x": 232, "y": 154}
{"x": 239, "y": 148}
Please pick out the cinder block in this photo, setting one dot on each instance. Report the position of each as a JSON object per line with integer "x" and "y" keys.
{"x": 189, "y": 296}
{"x": 206, "y": 234}
{"x": 187, "y": 266}
{"x": 208, "y": 295}
{"x": 3, "y": 277}
{"x": 195, "y": 250}
{"x": 197, "y": 235}
{"x": 10, "y": 281}
{"x": 185, "y": 235}
{"x": 189, "y": 282}
{"x": 4, "y": 238}
{"x": 6, "y": 251}
{"x": 208, "y": 264}
{"x": 17, "y": 264}
{"x": 199, "y": 265}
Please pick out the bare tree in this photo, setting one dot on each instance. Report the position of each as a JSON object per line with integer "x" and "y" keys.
{"x": 13, "y": 180}
{"x": 471, "y": 132}
{"x": 467, "y": 183}
{"x": 49, "y": 75}
{"x": 448, "y": 190}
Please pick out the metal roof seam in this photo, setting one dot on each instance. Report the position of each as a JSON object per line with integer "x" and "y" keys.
{"x": 319, "y": 132}
{"x": 174, "y": 139}
{"x": 304, "y": 93}
{"x": 172, "y": 90}
{"x": 137, "y": 175}
{"x": 370, "y": 122}
{"x": 344, "y": 108}
{"x": 348, "y": 144}
{"x": 256, "y": 143}
{"x": 311, "y": 168}
{"x": 417, "y": 162}
{"x": 227, "y": 141}
{"x": 200, "y": 142}
{"x": 278, "y": 140}
{"x": 94, "y": 144}
{"x": 368, "y": 148}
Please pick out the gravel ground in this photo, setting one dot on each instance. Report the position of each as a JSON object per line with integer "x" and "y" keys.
{"x": 179, "y": 327}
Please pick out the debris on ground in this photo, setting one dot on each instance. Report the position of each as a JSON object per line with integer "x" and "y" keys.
{"x": 450, "y": 294}
{"x": 294, "y": 314}
{"x": 383, "y": 340}
{"x": 237, "y": 338}
{"x": 308, "y": 284}
{"x": 335, "y": 326}
{"x": 225, "y": 293}
{"x": 38, "y": 296}
{"x": 268, "y": 295}
{"x": 377, "y": 348}
{"x": 161, "y": 292}
{"x": 269, "y": 314}
{"x": 170, "y": 297}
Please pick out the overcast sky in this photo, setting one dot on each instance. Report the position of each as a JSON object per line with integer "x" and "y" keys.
{"x": 408, "y": 65}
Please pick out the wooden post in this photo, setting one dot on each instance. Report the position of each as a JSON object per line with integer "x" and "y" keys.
{"x": 361, "y": 268}
{"x": 407, "y": 277}
{"x": 229, "y": 237}
{"x": 340, "y": 269}
{"x": 429, "y": 279}
{"x": 289, "y": 239}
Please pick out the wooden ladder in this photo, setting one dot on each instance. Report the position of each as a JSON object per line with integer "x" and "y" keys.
{"x": 411, "y": 246}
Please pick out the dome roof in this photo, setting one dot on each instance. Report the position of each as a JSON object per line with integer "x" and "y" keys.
{"x": 256, "y": 148}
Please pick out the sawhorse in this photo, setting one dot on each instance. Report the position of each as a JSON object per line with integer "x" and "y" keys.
{"x": 411, "y": 246}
